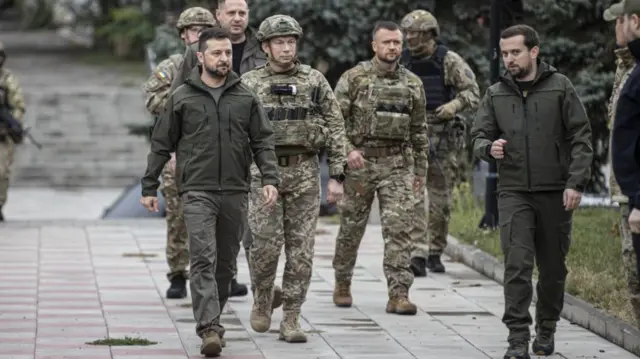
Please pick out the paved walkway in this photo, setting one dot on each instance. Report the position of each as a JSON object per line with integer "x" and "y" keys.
{"x": 63, "y": 284}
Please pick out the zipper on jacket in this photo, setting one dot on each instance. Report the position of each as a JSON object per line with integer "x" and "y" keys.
{"x": 526, "y": 139}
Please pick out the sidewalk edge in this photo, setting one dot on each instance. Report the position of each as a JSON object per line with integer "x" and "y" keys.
{"x": 575, "y": 310}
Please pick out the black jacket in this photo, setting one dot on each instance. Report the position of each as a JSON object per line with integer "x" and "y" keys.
{"x": 214, "y": 142}
{"x": 625, "y": 144}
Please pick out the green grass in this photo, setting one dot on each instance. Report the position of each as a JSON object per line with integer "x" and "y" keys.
{"x": 596, "y": 273}
{"x": 126, "y": 341}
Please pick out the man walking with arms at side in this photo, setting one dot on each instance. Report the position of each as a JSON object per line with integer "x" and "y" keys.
{"x": 212, "y": 175}
{"x": 534, "y": 124}
{"x": 383, "y": 105}
{"x": 233, "y": 16}
{"x": 625, "y": 63}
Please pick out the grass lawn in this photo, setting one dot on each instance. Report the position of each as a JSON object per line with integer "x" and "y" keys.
{"x": 595, "y": 265}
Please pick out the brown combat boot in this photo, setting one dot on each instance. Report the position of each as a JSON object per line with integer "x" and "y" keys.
{"x": 290, "y": 330}
{"x": 211, "y": 345}
{"x": 401, "y": 305}
{"x": 342, "y": 295}
{"x": 262, "y": 309}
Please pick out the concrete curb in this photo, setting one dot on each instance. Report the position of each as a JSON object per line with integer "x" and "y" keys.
{"x": 575, "y": 310}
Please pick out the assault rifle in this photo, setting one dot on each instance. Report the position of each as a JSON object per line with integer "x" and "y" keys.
{"x": 15, "y": 130}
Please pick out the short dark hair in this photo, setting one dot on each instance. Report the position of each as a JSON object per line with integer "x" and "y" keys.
{"x": 215, "y": 32}
{"x": 222, "y": 2}
{"x": 387, "y": 25}
{"x": 531, "y": 37}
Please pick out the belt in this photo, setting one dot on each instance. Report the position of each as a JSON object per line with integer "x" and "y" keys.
{"x": 294, "y": 160}
{"x": 381, "y": 151}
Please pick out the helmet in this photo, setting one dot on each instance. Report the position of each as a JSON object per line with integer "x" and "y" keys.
{"x": 420, "y": 20}
{"x": 195, "y": 16}
{"x": 278, "y": 25}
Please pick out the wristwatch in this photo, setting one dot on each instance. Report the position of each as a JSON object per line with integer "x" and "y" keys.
{"x": 340, "y": 178}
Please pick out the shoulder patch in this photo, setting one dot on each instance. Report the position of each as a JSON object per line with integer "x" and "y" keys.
{"x": 469, "y": 74}
{"x": 162, "y": 75}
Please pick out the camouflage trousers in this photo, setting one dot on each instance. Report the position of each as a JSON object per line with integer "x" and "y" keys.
{"x": 429, "y": 233}
{"x": 6, "y": 160}
{"x": 391, "y": 179}
{"x": 629, "y": 262}
{"x": 290, "y": 223}
{"x": 177, "y": 238}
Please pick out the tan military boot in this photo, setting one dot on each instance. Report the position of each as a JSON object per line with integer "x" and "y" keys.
{"x": 277, "y": 296}
{"x": 211, "y": 345}
{"x": 290, "y": 330}
{"x": 262, "y": 309}
{"x": 342, "y": 295}
{"x": 401, "y": 305}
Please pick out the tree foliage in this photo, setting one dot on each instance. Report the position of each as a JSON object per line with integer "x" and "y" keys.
{"x": 574, "y": 38}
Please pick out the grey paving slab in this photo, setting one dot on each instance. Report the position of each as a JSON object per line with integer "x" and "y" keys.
{"x": 79, "y": 288}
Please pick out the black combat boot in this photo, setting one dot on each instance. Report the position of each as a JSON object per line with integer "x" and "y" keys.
{"x": 418, "y": 267}
{"x": 238, "y": 289}
{"x": 434, "y": 264}
{"x": 518, "y": 349}
{"x": 543, "y": 344}
{"x": 178, "y": 288}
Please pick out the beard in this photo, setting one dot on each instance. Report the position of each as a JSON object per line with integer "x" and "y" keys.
{"x": 388, "y": 59}
{"x": 520, "y": 72}
{"x": 217, "y": 71}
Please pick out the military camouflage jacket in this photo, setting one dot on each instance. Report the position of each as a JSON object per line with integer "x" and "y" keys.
{"x": 383, "y": 109}
{"x": 11, "y": 94}
{"x": 303, "y": 110}
{"x": 625, "y": 65}
{"x": 156, "y": 88}
{"x": 167, "y": 42}
{"x": 252, "y": 57}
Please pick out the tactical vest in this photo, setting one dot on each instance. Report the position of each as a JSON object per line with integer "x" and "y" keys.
{"x": 431, "y": 72}
{"x": 382, "y": 108}
{"x": 291, "y": 105}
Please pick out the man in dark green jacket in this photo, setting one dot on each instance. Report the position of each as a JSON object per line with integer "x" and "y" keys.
{"x": 215, "y": 125}
{"x": 533, "y": 123}
{"x": 233, "y": 16}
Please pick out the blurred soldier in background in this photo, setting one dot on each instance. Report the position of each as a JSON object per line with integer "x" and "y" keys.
{"x": 191, "y": 22}
{"x": 168, "y": 40}
{"x": 306, "y": 116}
{"x": 451, "y": 88}
{"x": 12, "y": 108}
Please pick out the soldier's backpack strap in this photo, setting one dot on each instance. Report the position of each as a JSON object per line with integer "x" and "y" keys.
{"x": 441, "y": 52}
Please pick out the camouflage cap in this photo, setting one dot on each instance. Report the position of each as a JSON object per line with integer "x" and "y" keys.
{"x": 195, "y": 16}
{"x": 278, "y": 25}
{"x": 614, "y": 11}
{"x": 420, "y": 20}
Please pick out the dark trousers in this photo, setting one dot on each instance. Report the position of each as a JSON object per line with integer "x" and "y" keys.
{"x": 533, "y": 226}
{"x": 215, "y": 223}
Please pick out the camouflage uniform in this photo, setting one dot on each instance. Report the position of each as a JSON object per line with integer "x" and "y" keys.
{"x": 156, "y": 92}
{"x": 625, "y": 65}
{"x": 167, "y": 41}
{"x": 11, "y": 97}
{"x": 448, "y": 82}
{"x": 385, "y": 119}
{"x": 305, "y": 117}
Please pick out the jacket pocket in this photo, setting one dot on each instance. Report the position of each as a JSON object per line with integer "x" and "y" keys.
{"x": 562, "y": 160}
{"x": 183, "y": 166}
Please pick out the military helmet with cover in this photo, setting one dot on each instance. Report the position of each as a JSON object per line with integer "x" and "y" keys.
{"x": 195, "y": 16}
{"x": 278, "y": 25}
{"x": 420, "y": 20}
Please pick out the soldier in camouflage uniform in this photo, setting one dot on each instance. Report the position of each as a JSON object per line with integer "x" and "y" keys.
{"x": 168, "y": 38}
{"x": 451, "y": 88}
{"x": 305, "y": 117}
{"x": 625, "y": 64}
{"x": 11, "y": 99}
{"x": 383, "y": 105}
{"x": 156, "y": 91}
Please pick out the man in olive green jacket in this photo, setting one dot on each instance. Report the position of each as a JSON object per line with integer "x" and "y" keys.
{"x": 533, "y": 123}
{"x": 216, "y": 126}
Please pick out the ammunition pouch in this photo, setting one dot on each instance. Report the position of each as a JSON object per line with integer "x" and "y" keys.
{"x": 294, "y": 127}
